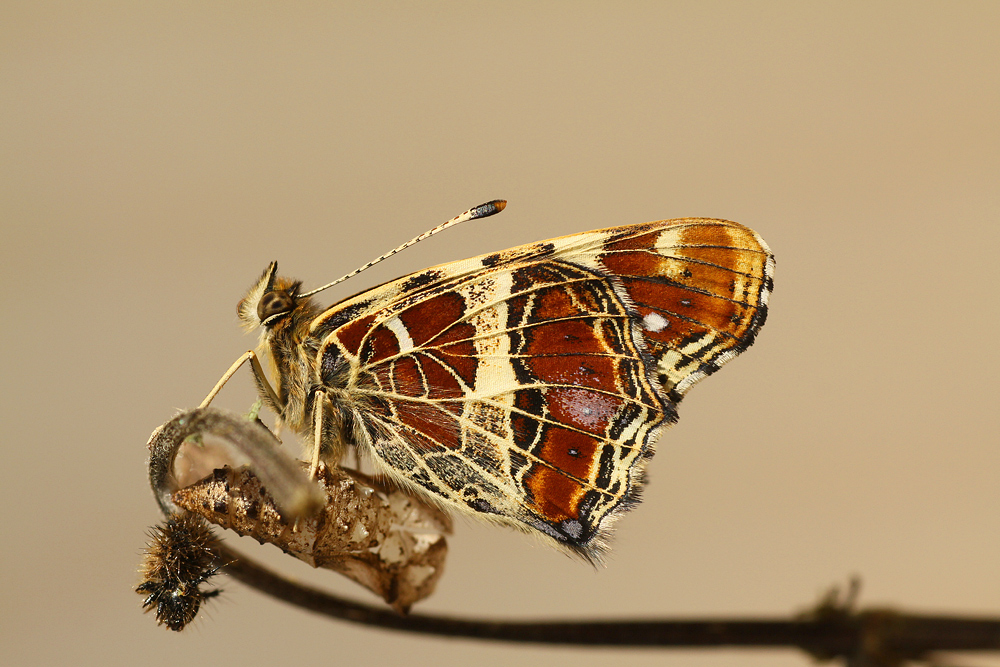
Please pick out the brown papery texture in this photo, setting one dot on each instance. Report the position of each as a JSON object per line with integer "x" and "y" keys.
{"x": 382, "y": 538}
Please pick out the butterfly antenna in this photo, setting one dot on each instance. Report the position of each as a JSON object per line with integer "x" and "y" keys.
{"x": 481, "y": 211}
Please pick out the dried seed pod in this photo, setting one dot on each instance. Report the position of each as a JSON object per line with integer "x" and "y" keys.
{"x": 377, "y": 535}
{"x": 180, "y": 557}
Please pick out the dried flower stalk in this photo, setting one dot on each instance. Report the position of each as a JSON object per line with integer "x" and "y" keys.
{"x": 379, "y": 536}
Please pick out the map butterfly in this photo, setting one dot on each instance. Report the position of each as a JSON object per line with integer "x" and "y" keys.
{"x": 526, "y": 386}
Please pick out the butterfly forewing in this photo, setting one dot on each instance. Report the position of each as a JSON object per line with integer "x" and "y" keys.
{"x": 700, "y": 287}
{"x": 529, "y": 385}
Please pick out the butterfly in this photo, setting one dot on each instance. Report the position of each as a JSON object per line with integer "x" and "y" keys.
{"x": 527, "y": 386}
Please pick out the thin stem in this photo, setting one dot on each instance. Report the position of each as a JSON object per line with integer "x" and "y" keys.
{"x": 292, "y": 491}
{"x": 829, "y": 635}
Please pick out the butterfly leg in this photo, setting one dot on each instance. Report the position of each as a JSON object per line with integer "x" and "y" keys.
{"x": 317, "y": 445}
{"x": 260, "y": 379}
{"x": 317, "y": 434}
{"x": 328, "y": 439}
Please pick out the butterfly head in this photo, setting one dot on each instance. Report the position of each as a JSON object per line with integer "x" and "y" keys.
{"x": 270, "y": 300}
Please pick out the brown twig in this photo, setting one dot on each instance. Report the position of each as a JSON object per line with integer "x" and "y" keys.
{"x": 294, "y": 493}
{"x": 893, "y": 635}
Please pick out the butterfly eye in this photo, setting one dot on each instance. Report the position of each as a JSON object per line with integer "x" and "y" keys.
{"x": 274, "y": 303}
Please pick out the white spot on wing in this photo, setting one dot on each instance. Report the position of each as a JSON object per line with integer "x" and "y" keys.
{"x": 687, "y": 382}
{"x": 670, "y": 238}
{"x": 655, "y": 322}
{"x": 768, "y": 273}
{"x": 396, "y": 326}
{"x": 494, "y": 373}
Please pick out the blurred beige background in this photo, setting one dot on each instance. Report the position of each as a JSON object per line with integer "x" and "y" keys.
{"x": 156, "y": 156}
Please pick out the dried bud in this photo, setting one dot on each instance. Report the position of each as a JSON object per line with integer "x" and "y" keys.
{"x": 180, "y": 558}
{"x": 379, "y": 536}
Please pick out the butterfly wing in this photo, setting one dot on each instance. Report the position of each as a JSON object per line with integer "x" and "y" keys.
{"x": 529, "y": 385}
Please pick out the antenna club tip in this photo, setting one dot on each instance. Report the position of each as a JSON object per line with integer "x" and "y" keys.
{"x": 488, "y": 209}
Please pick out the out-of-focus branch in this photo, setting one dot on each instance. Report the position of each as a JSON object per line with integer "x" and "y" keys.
{"x": 875, "y": 637}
